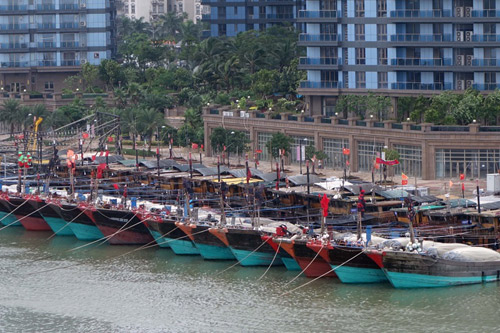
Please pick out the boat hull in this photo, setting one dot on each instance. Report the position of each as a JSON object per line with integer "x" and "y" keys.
{"x": 25, "y": 212}
{"x": 289, "y": 262}
{"x": 85, "y": 232}
{"x": 214, "y": 252}
{"x": 121, "y": 227}
{"x": 412, "y": 270}
{"x": 209, "y": 246}
{"x": 350, "y": 274}
{"x": 80, "y": 223}
{"x": 9, "y": 220}
{"x": 167, "y": 234}
{"x": 310, "y": 262}
{"x": 250, "y": 250}
{"x": 59, "y": 226}
{"x": 161, "y": 241}
{"x": 182, "y": 246}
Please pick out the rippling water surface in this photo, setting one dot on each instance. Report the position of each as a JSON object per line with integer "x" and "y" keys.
{"x": 44, "y": 287}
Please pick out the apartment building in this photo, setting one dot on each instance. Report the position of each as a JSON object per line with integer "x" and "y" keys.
{"x": 44, "y": 41}
{"x": 398, "y": 48}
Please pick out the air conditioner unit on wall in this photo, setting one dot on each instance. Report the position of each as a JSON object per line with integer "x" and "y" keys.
{"x": 468, "y": 11}
{"x": 460, "y": 60}
{"x": 469, "y": 60}
{"x": 460, "y": 84}
{"x": 83, "y": 24}
{"x": 460, "y": 36}
{"x": 459, "y": 12}
{"x": 83, "y": 61}
{"x": 468, "y": 84}
{"x": 468, "y": 36}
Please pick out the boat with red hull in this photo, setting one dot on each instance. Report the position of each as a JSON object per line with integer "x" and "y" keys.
{"x": 25, "y": 210}
{"x": 120, "y": 227}
{"x": 309, "y": 261}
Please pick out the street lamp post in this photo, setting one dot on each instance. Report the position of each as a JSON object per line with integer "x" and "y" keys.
{"x": 300, "y": 152}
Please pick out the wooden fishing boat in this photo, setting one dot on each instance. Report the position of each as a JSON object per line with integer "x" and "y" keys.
{"x": 209, "y": 245}
{"x": 6, "y": 217}
{"x": 168, "y": 234}
{"x": 82, "y": 225}
{"x": 52, "y": 215}
{"x": 419, "y": 270}
{"x": 120, "y": 226}
{"x": 290, "y": 263}
{"x": 24, "y": 210}
{"x": 312, "y": 264}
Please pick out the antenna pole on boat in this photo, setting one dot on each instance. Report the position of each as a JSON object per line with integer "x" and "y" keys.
{"x": 307, "y": 175}
{"x": 478, "y": 199}
{"x": 218, "y": 168}
{"x": 222, "y": 206}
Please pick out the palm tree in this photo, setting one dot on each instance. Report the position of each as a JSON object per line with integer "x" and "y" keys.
{"x": 9, "y": 112}
{"x": 148, "y": 122}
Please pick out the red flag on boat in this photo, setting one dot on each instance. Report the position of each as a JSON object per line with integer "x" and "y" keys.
{"x": 462, "y": 176}
{"x": 85, "y": 135}
{"x": 381, "y": 161}
{"x": 249, "y": 175}
{"x": 324, "y": 204}
{"x": 116, "y": 187}
{"x": 346, "y": 151}
{"x": 404, "y": 179}
{"x": 194, "y": 145}
{"x": 100, "y": 168}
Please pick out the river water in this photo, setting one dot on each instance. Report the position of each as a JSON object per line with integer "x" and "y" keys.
{"x": 44, "y": 287}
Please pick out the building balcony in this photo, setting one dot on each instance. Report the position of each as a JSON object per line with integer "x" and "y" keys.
{"x": 421, "y": 86}
{"x": 319, "y": 37}
{"x": 42, "y": 7}
{"x": 70, "y": 63}
{"x": 486, "y": 86}
{"x": 46, "y": 25}
{"x": 318, "y": 14}
{"x": 486, "y": 13}
{"x": 320, "y": 85}
{"x": 68, "y": 6}
{"x": 14, "y": 26}
{"x": 14, "y": 64}
{"x": 486, "y": 38}
{"x": 69, "y": 25}
{"x": 13, "y": 7}
{"x": 485, "y": 62}
{"x": 422, "y": 38}
{"x": 320, "y": 61}
{"x": 47, "y": 63}
{"x": 421, "y": 13}
{"x": 421, "y": 62}
{"x": 280, "y": 16}
{"x": 46, "y": 45}
{"x": 14, "y": 46}
{"x": 70, "y": 44}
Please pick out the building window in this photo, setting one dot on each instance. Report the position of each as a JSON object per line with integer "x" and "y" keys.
{"x": 222, "y": 29}
{"x": 49, "y": 85}
{"x": 235, "y": 10}
{"x": 360, "y": 80}
{"x": 334, "y": 149}
{"x": 381, "y": 32}
{"x": 382, "y": 56}
{"x": 359, "y": 6}
{"x": 382, "y": 80}
{"x": 367, "y": 153}
{"x": 381, "y": 8}
{"x": 473, "y": 163}
{"x": 360, "y": 56}
{"x": 359, "y": 31}
{"x": 306, "y": 141}
{"x": 410, "y": 160}
{"x": 262, "y": 139}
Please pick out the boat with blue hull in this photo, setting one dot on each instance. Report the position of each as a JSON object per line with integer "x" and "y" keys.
{"x": 290, "y": 263}
{"x": 249, "y": 248}
{"x": 350, "y": 263}
{"x": 419, "y": 270}
{"x": 51, "y": 213}
{"x": 167, "y": 232}
{"x": 8, "y": 219}
{"x": 80, "y": 223}
{"x": 209, "y": 246}
{"x": 26, "y": 210}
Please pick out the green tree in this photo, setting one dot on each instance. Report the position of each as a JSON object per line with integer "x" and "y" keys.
{"x": 11, "y": 113}
{"x": 148, "y": 122}
{"x": 279, "y": 141}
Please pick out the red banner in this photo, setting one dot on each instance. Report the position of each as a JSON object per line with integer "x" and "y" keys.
{"x": 381, "y": 161}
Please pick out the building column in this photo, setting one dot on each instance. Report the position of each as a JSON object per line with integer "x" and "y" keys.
{"x": 353, "y": 157}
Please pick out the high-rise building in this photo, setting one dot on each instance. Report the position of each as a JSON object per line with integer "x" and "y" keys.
{"x": 149, "y": 10}
{"x": 44, "y": 41}
{"x": 398, "y": 48}
{"x": 231, "y": 18}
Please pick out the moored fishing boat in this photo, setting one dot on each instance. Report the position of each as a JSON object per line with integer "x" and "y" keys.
{"x": 52, "y": 215}
{"x": 290, "y": 263}
{"x": 6, "y": 217}
{"x": 438, "y": 265}
{"x": 312, "y": 264}
{"x": 81, "y": 224}
{"x": 167, "y": 234}
{"x": 120, "y": 226}
{"x": 25, "y": 209}
{"x": 209, "y": 245}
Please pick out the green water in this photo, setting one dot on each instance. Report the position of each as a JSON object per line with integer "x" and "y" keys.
{"x": 154, "y": 290}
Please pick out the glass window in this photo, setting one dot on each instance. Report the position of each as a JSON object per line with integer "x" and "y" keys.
{"x": 360, "y": 56}
{"x": 306, "y": 141}
{"x": 367, "y": 153}
{"x": 474, "y": 163}
{"x": 360, "y": 79}
{"x": 333, "y": 148}
{"x": 262, "y": 139}
{"x": 359, "y": 6}
{"x": 410, "y": 160}
{"x": 360, "y": 31}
